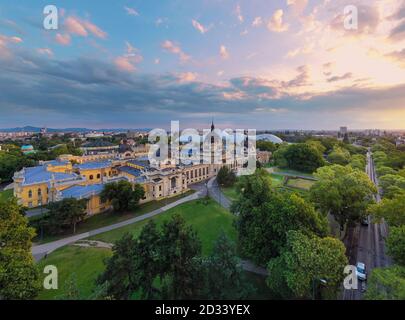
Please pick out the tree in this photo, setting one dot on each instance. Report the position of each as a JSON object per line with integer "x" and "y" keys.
{"x": 265, "y": 216}
{"x": 339, "y": 156}
{"x": 317, "y": 145}
{"x": 304, "y": 262}
{"x": 358, "y": 162}
{"x": 303, "y": 157}
{"x": 71, "y": 290}
{"x": 19, "y": 277}
{"x": 224, "y": 275}
{"x": 119, "y": 275}
{"x": 343, "y": 192}
{"x": 65, "y": 214}
{"x": 386, "y": 284}
{"x": 396, "y": 244}
{"x": 266, "y": 146}
{"x": 179, "y": 251}
{"x": 148, "y": 261}
{"x": 226, "y": 177}
{"x": 392, "y": 210}
{"x": 391, "y": 184}
{"x": 384, "y": 170}
{"x": 122, "y": 195}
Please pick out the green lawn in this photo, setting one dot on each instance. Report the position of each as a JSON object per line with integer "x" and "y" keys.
{"x": 299, "y": 183}
{"x": 6, "y": 194}
{"x": 207, "y": 219}
{"x": 230, "y": 193}
{"x": 293, "y": 172}
{"x": 109, "y": 217}
{"x": 277, "y": 180}
{"x": 86, "y": 263}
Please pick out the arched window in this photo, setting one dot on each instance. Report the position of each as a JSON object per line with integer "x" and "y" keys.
{"x": 39, "y": 192}
{"x": 91, "y": 177}
{"x": 29, "y": 193}
{"x": 98, "y": 176}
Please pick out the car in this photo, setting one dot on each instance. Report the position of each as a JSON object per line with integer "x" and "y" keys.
{"x": 361, "y": 271}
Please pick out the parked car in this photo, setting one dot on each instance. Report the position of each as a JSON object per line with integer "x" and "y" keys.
{"x": 361, "y": 271}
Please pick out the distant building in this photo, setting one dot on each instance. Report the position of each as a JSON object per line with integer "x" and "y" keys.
{"x": 27, "y": 149}
{"x": 269, "y": 137}
{"x": 99, "y": 147}
{"x": 263, "y": 156}
{"x": 342, "y": 131}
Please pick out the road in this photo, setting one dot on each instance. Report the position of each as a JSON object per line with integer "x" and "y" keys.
{"x": 366, "y": 243}
{"x": 39, "y": 251}
{"x": 216, "y": 193}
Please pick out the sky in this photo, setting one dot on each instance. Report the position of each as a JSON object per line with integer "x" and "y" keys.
{"x": 282, "y": 64}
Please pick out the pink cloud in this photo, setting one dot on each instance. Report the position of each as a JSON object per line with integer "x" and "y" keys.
{"x": 175, "y": 49}
{"x": 74, "y": 26}
{"x": 82, "y": 28}
{"x": 223, "y": 52}
{"x": 129, "y": 60}
{"x": 63, "y": 39}
{"x": 187, "y": 77}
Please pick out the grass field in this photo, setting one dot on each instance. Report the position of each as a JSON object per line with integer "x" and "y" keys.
{"x": 86, "y": 263}
{"x": 299, "y": 183}
{"x": 207, "y": 219}
{"x": 230, "y": 193}
{"x": 6, "y": 194}
{"x": 109, "y": 217}
{"x": 293, "y": 172}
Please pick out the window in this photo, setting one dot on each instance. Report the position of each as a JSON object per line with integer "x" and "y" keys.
{"x": 105, "y": 174}
{"x": 199, "y": 172}
{"x": 187, "y": 174}
{"x": 192, "y": 174}
{"x": 160, "y": 188}
{"x": 47, "y": 190}
{"x": 30, "y": 194}
{"x": 98, "y": 176}
{"x": 29, "y": 204}
{"x": 39, "y": 192}
{"x": 91, "y": 177}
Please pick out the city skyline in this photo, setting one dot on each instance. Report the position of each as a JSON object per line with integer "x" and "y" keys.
{"x": 290, "y": 64}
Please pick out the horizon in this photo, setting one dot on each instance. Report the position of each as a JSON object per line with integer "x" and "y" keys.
{"x": 285, "y": 64}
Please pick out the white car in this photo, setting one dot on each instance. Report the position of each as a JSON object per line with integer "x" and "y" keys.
{"x": 361, "y": 271}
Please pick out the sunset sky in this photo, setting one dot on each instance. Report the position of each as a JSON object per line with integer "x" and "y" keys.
{"x": 282, "y": 64}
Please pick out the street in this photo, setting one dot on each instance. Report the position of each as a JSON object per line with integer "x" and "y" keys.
{"x": 366, "y": 243}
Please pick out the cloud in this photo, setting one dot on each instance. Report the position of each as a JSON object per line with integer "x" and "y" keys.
{"x": 347, "y": 75}
{"x": 199, "y": 27}
{"x": 93, "y": 91}
{"x": 82, "y": 28}
{"x": 131, "y": 11}
{"x": 129, "y": 60}
{"x": 171, "y": 47}
{"x": 187, "y": 77}
{"x": 223, "y": 52}
{"x": 63, "y": 39}
{"x": 276, "y": 23}
{"x": 297, "y": 6}
{"x": 238, "y": 12}
{"x": 368, "y": 21}
{"x": 5, "y": 41}
{"x": 45, "y": 51}
{"x": 257, "y": 22}
{"x": 398, "y": 56}
{"x": 398, "y": 33}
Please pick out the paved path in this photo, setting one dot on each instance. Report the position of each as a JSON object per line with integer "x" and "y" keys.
{"x": 39, "y": 251}
{"x": 215, "y": 192}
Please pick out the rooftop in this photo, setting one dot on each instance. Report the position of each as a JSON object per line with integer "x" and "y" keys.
{"x": 80, "y": 192}
{"x": 93, "y": 165}
{"x": 40, "y": 174}
{"x": 131, "y": 171}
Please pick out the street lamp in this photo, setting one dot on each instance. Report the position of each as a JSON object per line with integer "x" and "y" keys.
{"x": 314, "y": 280}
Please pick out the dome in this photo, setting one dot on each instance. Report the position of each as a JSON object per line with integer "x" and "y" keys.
{"x": 269, "y": 137}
